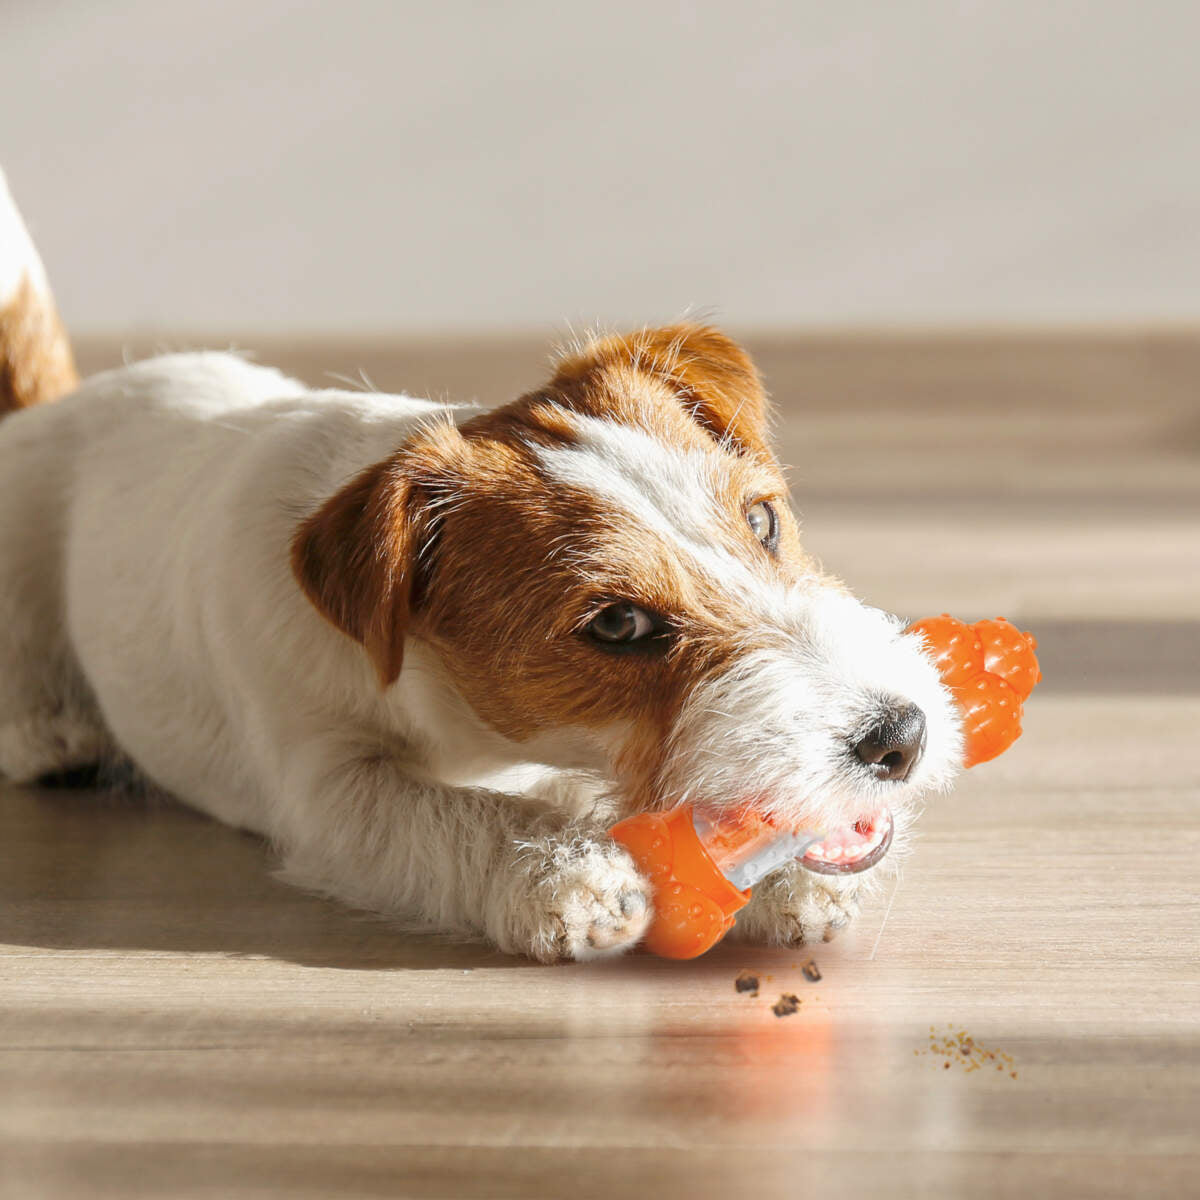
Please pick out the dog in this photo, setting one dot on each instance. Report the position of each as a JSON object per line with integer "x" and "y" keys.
{"x": 433, "y": 652}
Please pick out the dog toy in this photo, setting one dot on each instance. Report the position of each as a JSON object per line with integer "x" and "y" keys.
{"x": 703, "y": 865}
{"x": 991, "y": 668}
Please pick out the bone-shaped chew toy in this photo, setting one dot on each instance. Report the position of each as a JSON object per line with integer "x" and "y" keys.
{"x": 703, "y": 865}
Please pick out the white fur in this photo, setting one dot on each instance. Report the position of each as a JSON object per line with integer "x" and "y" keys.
{"x": 780, "y": 724}
{"x": 18, "y": 256}
{"x": 668, "y": 491}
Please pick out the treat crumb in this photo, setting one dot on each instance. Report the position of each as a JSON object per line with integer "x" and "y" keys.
{"x": 787, "y": 1004}
{"x": 811, "y": 971}
{"x": 746, "y": 981}
{"x": 958, "y": 1046}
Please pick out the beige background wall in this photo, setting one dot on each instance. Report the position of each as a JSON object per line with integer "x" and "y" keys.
{"x": 269, "y": 166}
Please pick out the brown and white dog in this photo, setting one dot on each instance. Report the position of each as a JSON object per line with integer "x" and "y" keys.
{"x": 434, "y": 652}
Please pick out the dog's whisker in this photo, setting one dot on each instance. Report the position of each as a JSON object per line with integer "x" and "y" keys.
{"x": 887, "y": 912}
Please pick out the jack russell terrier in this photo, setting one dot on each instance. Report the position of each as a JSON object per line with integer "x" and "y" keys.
{"x": 434, "y": 652}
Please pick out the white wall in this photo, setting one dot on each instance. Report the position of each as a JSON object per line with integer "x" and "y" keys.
{"x": 264, "y": 166}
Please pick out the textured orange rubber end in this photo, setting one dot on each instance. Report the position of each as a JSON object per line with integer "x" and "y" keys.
{"x": 991, "y": 668}
{"x": 694, "y": 904}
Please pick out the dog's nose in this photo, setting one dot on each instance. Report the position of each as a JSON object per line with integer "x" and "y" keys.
{"x": 893, "y": 747}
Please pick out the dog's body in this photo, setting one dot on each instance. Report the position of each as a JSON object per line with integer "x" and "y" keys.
{"x": 432, "y": 653}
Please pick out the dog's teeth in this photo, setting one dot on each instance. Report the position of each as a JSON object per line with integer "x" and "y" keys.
{"x": 834, "y": 852}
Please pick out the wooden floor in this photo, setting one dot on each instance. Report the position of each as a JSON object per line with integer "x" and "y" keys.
{"x": 173, "y": 1022}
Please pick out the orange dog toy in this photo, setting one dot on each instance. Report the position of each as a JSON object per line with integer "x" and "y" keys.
{"x": 703, "y": 865}
{"x": 991, "y": 668}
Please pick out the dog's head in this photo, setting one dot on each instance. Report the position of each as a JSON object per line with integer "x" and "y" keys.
{"x": 607, "y": 571}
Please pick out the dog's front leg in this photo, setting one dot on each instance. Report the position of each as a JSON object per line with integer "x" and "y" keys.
{"x": 796, "y": 907}
{"x": 459, "y": 859}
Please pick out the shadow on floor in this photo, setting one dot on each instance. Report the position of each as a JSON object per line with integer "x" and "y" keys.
{"x": 93, "y": 870}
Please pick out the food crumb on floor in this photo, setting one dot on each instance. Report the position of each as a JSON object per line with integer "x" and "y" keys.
{"x": 746, "y": 981}
{"x": 958, "y": 1046}
{"x": 787, "y": 1004}
{"x": 811, "y": 971}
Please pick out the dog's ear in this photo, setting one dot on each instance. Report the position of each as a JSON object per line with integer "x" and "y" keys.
{"x": 709, "y": 374}
{"x": 356, "y": 559}
{"x": 715, "y": 379}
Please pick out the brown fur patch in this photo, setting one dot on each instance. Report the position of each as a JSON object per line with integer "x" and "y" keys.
{"x": 357, "y": 557}
{"x": 710, "y": 375}
{"x": 36, "y": 364}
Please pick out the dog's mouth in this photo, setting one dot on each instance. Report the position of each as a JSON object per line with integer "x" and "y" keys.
{"x": 853, "y": 848}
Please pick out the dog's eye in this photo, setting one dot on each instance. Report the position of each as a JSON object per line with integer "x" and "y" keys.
{"x": 764, "y": 524}
{"x": 621, "y": 624}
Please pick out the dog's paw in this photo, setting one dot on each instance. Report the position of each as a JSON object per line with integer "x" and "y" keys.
{"x": 796, "y": 907}
{"x": 577, "y": 900}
